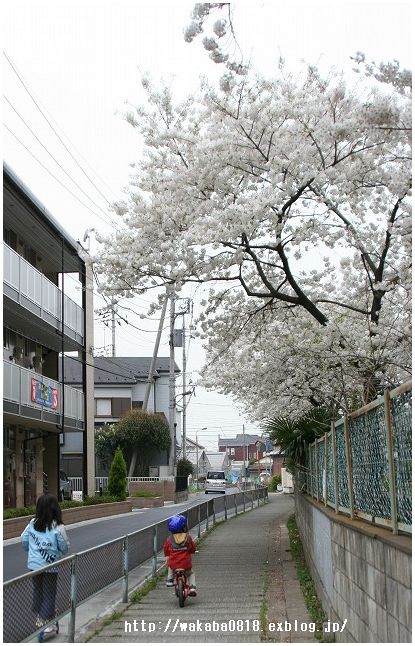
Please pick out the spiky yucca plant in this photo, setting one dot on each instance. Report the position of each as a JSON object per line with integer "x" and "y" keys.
{"x": 292, "y": 435}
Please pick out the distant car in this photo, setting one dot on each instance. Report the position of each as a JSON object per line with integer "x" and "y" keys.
{"x": 215, "y": 482}
{"x": 65, "y": 487}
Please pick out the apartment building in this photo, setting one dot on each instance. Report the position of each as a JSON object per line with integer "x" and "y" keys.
{"x": 41, "y": 323}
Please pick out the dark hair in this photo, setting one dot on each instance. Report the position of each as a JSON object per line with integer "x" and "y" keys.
{"x": 47, "y": 511}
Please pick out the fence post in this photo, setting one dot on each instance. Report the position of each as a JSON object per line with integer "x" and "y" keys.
{"x": 389, "y": 444}
{"x": 317, "y": 471}
{"x": 125, "y": 570}
{"x": 154, "y": 550}
{"x": 335, "y": 474}
{"x": 236, "y": 507}
{"x": 243, "y": 498}
{"x": 252, "y": 498}
{"x": 226, "y": 507}
{"x": 349, "y": 462}
{"x": 325, "y": 471}
{"x": 214, "y": 513}
{"x": 74, "y": 586}
{"x": 207, "y": 515}
{"x": 198, "y": 521}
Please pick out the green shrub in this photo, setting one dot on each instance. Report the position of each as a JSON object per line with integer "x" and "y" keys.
{"x": 274, "y": 482}
{"x": 117, "y": 480}
{"x": 100, "y": 500}
{"x": 184, "y": 467}
{"x": 68, "y": 504}
{"x": 18, "y": 511}
{"x": 145, "y": 494}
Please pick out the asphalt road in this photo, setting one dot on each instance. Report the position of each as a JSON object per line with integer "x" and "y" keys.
{"x": 90, "y": 534}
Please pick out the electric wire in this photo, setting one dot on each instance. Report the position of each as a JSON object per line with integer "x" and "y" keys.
{"x": 54, "y": 177}
{"x": 51, "y": 126}
{"x": 91, "y": 365}
{"x": 55, "y": 160}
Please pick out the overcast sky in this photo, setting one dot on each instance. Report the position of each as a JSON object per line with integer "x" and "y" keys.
{"x": 81, "y": 61}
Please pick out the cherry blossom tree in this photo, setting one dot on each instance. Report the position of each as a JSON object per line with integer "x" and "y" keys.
{"x": 280, "y": 362}
{"x": 290, "y": 195}
{"x": 222, "y": 44}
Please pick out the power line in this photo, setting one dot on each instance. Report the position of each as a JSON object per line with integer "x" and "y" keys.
{"x": 56, "y": 161}
{"x": 138, "y": 328}
{"x": 111, "y": 372}
{"x": 47, "y": 120}
{"x": 54, "y": 177}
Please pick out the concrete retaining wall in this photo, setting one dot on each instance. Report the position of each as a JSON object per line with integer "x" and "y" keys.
{"x": 361, "y": 573}
{"x": 146, "y": 502}
{"x": 165, "y": 488}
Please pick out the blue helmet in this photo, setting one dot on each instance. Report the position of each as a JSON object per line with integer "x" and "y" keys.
{"x": 177, "y": 524}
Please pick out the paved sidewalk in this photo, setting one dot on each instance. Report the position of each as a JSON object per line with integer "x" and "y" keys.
{"x": 230, "y": 581}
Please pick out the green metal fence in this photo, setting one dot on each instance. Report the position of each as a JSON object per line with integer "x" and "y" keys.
{"x": 362, "y": 467}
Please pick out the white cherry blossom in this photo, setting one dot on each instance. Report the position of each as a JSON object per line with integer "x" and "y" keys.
{"x": 292, "y": 197}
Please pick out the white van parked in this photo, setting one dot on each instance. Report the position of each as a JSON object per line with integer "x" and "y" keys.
{"x": 215, "y": 482}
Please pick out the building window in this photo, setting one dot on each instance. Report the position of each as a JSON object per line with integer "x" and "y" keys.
{"x": 10, "y": 238}
{"x": 232, "y": 451}
{"x": 120, "y": 406}
{"x": 137, "y": 404}
{"x": 103, "y": 407}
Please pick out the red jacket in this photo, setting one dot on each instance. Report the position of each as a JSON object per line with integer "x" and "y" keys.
{"x": 178, "y": 551}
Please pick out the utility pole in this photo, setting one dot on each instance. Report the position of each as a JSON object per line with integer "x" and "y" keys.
{"x": 184, "y": 388}
{"x": 172, "y": 387}
{"x": 197, "y": 459}
{"x": 197, "y": 464}
{"x": 113, "y": 326}
{"x": 150, "y": 378}
{"x": 243, "y": 432}
{"x": 189, "y": 304}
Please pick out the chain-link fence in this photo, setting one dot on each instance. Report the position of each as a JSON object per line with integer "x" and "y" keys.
{"x": 37, "y": 599}
{"x": 362, "y": 467}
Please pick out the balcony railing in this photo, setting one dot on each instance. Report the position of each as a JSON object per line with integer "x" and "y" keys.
{"x": 34, "y": 391}
{"x": 30, "y": 283}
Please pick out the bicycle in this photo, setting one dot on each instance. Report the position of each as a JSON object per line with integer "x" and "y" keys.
{"x": 181, "y": 586}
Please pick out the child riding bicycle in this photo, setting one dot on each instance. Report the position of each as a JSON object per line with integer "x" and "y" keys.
{"x": 178, "y": 548}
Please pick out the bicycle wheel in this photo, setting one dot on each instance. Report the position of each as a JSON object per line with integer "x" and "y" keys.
{"x": 180, "y": 590}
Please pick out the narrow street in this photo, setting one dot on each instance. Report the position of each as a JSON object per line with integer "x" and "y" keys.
{"x": 91, "y": 533}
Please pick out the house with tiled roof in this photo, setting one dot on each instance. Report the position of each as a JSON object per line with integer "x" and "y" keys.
{"x": 243, "y": 447}
{"x": 119, "y": 387}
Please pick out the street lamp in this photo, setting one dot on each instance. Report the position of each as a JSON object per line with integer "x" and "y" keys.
{"x": 197, "y": 459}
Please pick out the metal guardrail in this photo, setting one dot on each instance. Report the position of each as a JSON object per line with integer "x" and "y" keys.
{"x": 362, "y": 467}
{"x": 78, "y": 577}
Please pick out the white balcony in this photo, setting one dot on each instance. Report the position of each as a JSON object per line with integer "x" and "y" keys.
{"x": 33, "y": 291}
{"x": 32, "y": 395}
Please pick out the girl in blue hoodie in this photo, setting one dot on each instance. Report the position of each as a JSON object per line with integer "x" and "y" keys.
{"x": 46, "y": 541}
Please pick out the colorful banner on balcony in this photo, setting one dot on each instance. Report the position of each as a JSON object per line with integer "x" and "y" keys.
{"x": 44, "y": 395}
